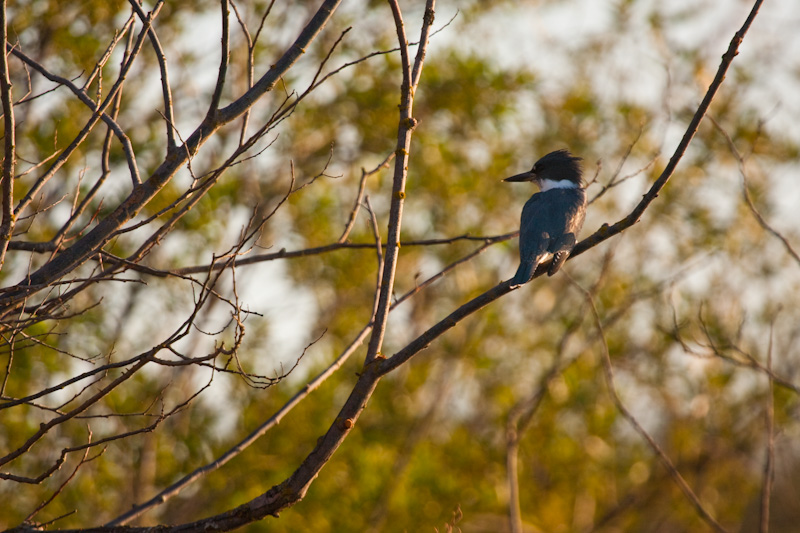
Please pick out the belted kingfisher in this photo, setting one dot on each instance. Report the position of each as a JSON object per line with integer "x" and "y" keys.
{"x": 552, "y": 218}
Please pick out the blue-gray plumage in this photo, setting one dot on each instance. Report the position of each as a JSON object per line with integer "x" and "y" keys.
{"x": 552, "y": 218}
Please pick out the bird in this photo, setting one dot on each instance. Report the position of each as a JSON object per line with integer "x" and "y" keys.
{"x": 551, "y": 218}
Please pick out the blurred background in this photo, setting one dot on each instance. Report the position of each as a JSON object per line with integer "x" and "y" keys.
{"x": 699, "y": 302}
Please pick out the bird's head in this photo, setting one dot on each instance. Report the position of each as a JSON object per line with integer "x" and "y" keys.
{"x": 556, "y": 170}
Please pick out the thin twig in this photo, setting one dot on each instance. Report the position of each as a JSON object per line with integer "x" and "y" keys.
{"x": 748, "y": 199}
{"x": 360, "y": 196}
{"x": 61, "y": 487}
{"x": 275, "y": 419}
{"x": 88, "y": 245}
{"x": 608, "y": 372}
{"x": 98, "y": 113}
{"x": 376, "y": 232}
{"x": 769, "y": 460}
{"x": 606, "y": 232}
{"x": 166, "y": 90}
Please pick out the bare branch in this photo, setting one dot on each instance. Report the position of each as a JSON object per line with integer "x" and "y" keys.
{"x": 379, "y": 252}
{"x": 748, "y": 199}
{"x": 61, "y": 487}
{"x": 276, "y": 71}
{"x": 98, "y": 113}
{"x": 769, "y": 460}
{"x": 605, "y": 232}
{"x": 283, "y": 254}
{"x": 275, "y": 419}
{"x": 45, "y": 427}
{"x": 665, "y": 460}
{"x": 360, "y": 196}
{"x": 166, "y": 90}
{"x": 518, "y": 421}
{"x": 225, "y": 51}
{"x": 9, "y": 144}
{"x": 89, "y": 244}
{"x": 405, "y": 129}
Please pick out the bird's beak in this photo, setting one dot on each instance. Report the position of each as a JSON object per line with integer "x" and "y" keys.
{"x": 525, "y": 176}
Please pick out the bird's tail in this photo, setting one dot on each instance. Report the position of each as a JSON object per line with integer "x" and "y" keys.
{"x": 523, "y": 275}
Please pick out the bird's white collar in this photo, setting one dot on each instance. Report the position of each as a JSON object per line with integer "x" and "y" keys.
{"x": 546, "y": 185}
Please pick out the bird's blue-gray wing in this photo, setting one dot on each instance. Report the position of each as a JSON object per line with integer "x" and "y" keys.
{"x": 533, "y": 240}
{"x": 566, "y": 225}
{"x": 550, "y": 223}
